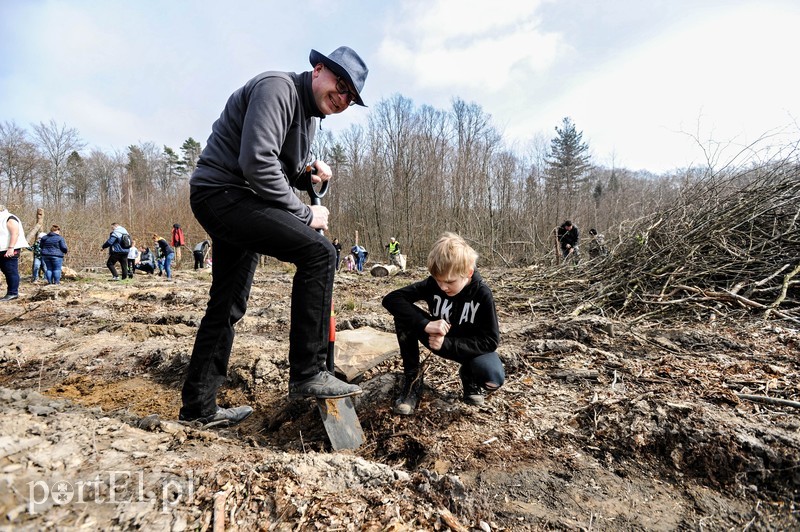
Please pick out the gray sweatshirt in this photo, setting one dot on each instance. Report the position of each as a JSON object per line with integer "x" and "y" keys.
{"x": 262, "y": 141}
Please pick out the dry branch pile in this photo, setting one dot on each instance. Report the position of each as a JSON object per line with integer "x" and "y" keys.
{"x": 727, "y": 245}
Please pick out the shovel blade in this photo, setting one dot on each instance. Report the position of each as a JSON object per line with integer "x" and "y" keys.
{"x": 341, "y": 423}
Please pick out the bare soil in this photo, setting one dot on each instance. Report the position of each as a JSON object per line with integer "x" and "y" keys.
{"x": 602, "y": 425}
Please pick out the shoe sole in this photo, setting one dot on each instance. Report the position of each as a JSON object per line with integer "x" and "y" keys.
{"x": 300, "y": 395}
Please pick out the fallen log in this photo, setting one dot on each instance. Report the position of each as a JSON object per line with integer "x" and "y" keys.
{"x": 384, "y": 270}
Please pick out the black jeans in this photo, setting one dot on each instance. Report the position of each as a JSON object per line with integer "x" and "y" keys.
{"x": 484, "y": 368}
{"x": 114, "y": 258}
{"x": 198, "y": 259}
{"x": 242, "y": 226}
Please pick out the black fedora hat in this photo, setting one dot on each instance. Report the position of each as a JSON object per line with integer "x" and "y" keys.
{"x": 345, "y": 63}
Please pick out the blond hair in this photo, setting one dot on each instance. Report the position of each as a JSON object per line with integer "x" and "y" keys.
{"x": 451, "y": 255}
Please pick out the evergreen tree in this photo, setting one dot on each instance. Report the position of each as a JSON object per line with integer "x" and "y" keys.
{"x": 173, "y": 168}
{"x": 568, "y": 161}
{"x": 191, "y": 153}
{"x": 78, "y": 183}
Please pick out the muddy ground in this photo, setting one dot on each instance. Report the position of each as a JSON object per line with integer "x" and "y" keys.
{"x": 602, "y": 425}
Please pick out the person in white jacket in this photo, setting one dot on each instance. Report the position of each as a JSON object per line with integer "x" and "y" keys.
{"x": 12, "y": 239}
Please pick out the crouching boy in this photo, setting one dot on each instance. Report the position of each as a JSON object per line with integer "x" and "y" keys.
{"x": 460, "y": 324}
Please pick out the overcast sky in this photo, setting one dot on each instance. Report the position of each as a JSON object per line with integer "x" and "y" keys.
{"x": 640, "y": 78}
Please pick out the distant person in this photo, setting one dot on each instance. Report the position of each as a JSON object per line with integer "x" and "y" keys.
{"x": 395, "y": 257}
{"x": 338, "y": 247}
{"x": 38, "y": 264}
{"x": 460, "y": 324}
{"x": 54, "y": 248}
{"x": 567, "y": 235}
{"x": 165, "y": 253}
{"x": 147, "y": 262}
{"x": 12, "y": 240}
{"x": 117, "y": 250}
{"x": 349, "y": 262}
{"x": 597, "y": 244}
{"x": 133, "y": 258}
{"x": 200, "y": 253}
{"x": 178, "y": 241}
{"x": 242, "y": 194}
{"x": 360, "y": 253}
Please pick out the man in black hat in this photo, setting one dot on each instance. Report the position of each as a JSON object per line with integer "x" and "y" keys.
{"x": 241, "y": 193}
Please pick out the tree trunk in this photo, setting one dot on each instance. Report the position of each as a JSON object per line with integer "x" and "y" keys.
{"x": 37, "y": 228}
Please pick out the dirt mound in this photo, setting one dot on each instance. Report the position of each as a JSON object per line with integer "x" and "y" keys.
{"x": 601, "y": 424}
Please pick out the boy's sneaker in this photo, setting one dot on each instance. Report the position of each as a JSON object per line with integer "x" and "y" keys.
{"x": 474, "y": 393}
{"x": 115, "y": 278}
{"x": 323, "y": 385}
{"x": 408, "y": 400}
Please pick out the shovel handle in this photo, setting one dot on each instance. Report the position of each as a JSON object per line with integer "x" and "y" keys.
{"x": 316, "y": 194}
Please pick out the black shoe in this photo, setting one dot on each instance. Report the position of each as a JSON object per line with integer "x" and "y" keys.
{"x": 408, "y": 400}
{"x": 224, "y": 417}
{"x": 9, "y": 297}
{"x": 474, "y": 393}
{"x": 323, "y": 385}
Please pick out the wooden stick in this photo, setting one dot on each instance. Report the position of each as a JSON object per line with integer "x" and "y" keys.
{"x": 768, "y": 400}
{"x": 219, "y": 511}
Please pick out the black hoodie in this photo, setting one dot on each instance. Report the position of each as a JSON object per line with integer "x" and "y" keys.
{"x": 471, "y": 314}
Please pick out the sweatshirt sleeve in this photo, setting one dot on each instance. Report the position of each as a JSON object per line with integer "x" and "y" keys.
{"x": 400, "y": 303}
{"x": 268, "y": 118}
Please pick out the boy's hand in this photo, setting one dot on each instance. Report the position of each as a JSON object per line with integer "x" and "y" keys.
{"x": 435, "y": 341}
{"x": 437, "y": 328}
{"x": 436, "y": 331}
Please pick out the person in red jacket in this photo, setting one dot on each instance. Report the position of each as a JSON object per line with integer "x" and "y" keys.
{"x": 178, "y": 241}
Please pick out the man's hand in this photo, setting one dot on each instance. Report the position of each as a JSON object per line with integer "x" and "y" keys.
{"x": 322, "y": 172}
{"x": 319, "y": 217}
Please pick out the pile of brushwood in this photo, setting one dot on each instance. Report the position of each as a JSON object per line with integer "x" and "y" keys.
{"x": 728, "y": 245}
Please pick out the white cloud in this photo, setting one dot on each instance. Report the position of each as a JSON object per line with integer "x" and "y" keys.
{"x": 727, "y": 77}
{"x": 462, "y": 45}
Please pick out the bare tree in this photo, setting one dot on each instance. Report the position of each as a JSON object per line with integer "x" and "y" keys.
{"x": 105, "y": 172}
{"x": 19, "y": 162}
{"x": 56, "y": 143}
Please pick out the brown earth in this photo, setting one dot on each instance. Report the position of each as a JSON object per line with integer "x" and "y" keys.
{"x": 602, "y": 425}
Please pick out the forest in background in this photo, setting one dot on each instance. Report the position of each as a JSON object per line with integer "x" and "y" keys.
{"x": 411, "y": 172}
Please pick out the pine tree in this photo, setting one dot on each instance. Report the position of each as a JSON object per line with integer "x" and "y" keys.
{"x": 568, "y": 161}
{"x": 191, "y": 153}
